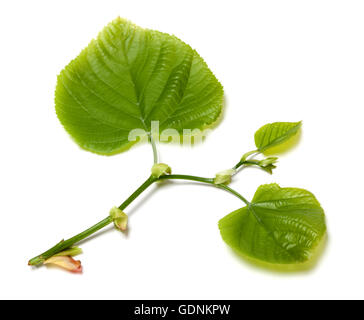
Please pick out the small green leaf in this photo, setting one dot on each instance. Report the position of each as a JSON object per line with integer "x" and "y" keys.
{"x": 274, "y": 134}
{"x": 128, "y": 77}
{"x": 74, "y": 251}
{"x": 280, "y": 226}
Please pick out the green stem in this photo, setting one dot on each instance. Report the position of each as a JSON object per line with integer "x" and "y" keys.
{"x": 204, "y": 180}
{"x": 138, "y": 192}
{"x": 154, "y": 147}
{"x": 244, "y": 163}
{"x": 186, "y": 177}
{"x": 65, "y": 244}
{"x": 232, "y": 191}
{"x": 244, "y": 159}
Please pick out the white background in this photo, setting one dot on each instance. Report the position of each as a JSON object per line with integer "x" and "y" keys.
{"x": 278, "y": 61}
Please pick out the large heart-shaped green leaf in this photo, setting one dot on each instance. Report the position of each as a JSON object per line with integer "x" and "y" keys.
{"x": 129, "y": 77}
{"x": 281, "y": 225}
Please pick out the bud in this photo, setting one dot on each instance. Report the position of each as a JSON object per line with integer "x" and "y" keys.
{"x": 65, "y": 262}
{"x": 161, "y": 169}
{"x": 269, "y": 168}
{"x": 120, "y": 218}
{"x": 224, "y": 177}
{"x": 268, "y": 161}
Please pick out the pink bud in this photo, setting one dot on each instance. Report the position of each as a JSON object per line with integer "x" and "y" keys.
{"x": 65, "y": 262}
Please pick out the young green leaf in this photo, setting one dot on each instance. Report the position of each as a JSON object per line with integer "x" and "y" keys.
{"x": 73, "y": 251}
{"x": 276, "y": 133}
{"x": 281, "y": 225}
{"x": 129, "y": 77}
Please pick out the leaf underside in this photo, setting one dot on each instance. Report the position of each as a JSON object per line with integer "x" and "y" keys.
{"x": 281, "y": 226}
{"x": 273, "y": 134}
{"x": 128, "y": 77}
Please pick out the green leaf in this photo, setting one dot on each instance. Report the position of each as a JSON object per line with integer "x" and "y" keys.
{"x": 73, "y": 251}
{"x": 128, "y": 77}
{"x": 280, "y": 226}
{"x": 274, "y": 134}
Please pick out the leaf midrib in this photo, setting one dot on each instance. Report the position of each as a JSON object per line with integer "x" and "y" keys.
{"x": 122, "y": 49}
{"x": 269, "y": 232}
{"x": 277, "y": 140}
